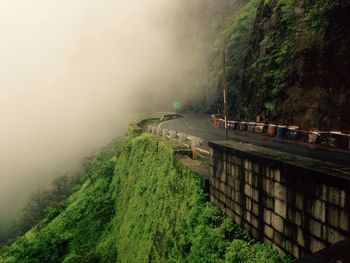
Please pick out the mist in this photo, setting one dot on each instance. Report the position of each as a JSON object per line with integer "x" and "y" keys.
{"x": 73, "y": 74}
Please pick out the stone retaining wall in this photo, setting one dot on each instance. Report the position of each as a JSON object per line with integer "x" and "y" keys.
{"x": 296, "y": 204}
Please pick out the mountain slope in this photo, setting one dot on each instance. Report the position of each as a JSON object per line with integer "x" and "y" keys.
{"x": 291, "y": 58}
{"x": 139, "y": 205}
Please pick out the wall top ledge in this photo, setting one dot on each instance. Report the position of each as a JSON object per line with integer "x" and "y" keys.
{"x": 282, "y": 159}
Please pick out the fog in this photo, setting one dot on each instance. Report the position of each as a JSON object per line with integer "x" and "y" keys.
{"x": 74, "y": 73}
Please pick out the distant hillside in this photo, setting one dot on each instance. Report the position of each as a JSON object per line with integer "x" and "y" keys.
{"x": 290, "y": 57}
{"x": 138, "y": 205}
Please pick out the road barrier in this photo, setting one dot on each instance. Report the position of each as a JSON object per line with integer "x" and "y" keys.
{"x": 192, "y": 142}
{"x": 335, "y": 139}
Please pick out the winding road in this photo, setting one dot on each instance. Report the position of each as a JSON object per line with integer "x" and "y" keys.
{"x": 199, "y": 125}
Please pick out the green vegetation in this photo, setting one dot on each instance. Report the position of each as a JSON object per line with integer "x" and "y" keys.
{"x": 290, "y": 55}
{"x": 137, "y": 205}
{"x": 39, "y": 201}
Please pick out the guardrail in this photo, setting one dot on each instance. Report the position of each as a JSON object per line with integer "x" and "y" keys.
{"x": 136, "y": 128}
{"x": 333, "y": 139}
{"x": 191, "y": 142}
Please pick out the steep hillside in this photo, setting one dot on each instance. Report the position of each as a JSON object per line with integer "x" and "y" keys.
{"x": 291, "y": 58}
{"x": 138, "y": 205}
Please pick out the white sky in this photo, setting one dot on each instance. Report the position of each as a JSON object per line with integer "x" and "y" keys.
{"x": 68, "y": 69}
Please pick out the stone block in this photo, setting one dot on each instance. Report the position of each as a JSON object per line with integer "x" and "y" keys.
{"x": 228, "y": 191}
{"x": 336, "y": 196}
{"x": 222, "y": 197}
{"x": 255, "y": 180}
{"x": 266, "y": 172}
{"x": 223, "y": 176}
{"x": 230, "y": 180}
{"x": 277, "y": 175}
{"x": 248, "y": 175}
{"x": 344, "y": 220}
{"x": 316, "y": 245}
{"x": 318, "y": 210}
{"x": 248, "y": 204}
{"x": 215, "y": 201}
{"x": 237, "y": 184}
{"x": 248, "y": 216}
{"x": 254, "y": 221}
{"x": 195, "y": 142}
{"x": 238, "y": 209}
{"x": 296, "y": 251}
{"x": 295, "y": 217}
{"x": 234, "y": 170}
{"x": 267, "y": 216}
{"x": 280, "y": 191}
{"x": 238, "y": 220}
{"x": 342, "y": 199}
{"x": 315, "y": 228}
{"x": 268, "y": 186}
{"x": 279, "y": 239}
{"x": 159, "y": 131}
{"x": 216, "y": 182}
{"x": 172, "y": 134}
{"x": 255, "y": 208}
{"x": 211, "y": 181}
{"x": 333, "y": 236}
{"x": 237, "y": 196}
{"x": 269, "y": 202}
{"x": 248, "y": 164}
{"x": 222, "y": 187}
{"x": 212, "y": 198}
{"x": 277, "y": 222}
{"x": 268, "y": 231}
{"x": 182, "y": 137}
{"x": 300, "y": 237}
{"x": 248, "y": 190}
{"x": 281, "y": 208}
{"x": 338, "y": 218}
{"x": 321, "y": 192}
{"x": 233, "y": 205}
{"x": 229, "y": 212}
{"x": 232, "y": 194}
{"x": 255, "y": 194}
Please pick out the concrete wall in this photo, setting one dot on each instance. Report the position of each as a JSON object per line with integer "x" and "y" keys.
{"x": 189, "y": 141}
{"x": 296, "y": 204}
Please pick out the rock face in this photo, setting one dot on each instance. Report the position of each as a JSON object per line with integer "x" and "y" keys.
{"x": 297, "y": 64}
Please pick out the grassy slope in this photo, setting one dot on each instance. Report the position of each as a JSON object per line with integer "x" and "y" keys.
{"x": 140, "y": 206}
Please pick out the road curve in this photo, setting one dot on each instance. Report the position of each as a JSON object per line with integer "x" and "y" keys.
{"x": 199, "y": 125}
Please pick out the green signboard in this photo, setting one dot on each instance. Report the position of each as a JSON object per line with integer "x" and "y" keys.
{"x": 177, "y": 106}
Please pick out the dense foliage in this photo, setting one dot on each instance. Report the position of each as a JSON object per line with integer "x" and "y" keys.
{"x": 137, "y": 205}
{"x": 35, "y": 208}
{"x": 290, "y": 58}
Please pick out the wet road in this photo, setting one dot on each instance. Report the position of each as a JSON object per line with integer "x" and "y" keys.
{"x": 199, "y": 125}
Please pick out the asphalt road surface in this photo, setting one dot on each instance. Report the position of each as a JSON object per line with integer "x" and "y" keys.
{"x": 199, "y": 125}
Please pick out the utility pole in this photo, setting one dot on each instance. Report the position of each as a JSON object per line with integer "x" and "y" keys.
{"x": 225, "y": 92}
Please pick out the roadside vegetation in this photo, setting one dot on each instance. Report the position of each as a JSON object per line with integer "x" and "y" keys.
{"x": 137, "y": 205}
